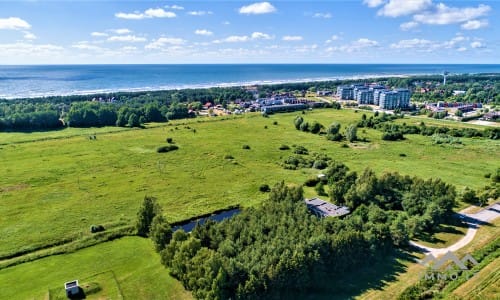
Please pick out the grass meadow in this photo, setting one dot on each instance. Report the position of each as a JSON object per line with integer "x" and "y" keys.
{"x": 127, "y": 268}
{"x": 55, "y": 185}
{"x": 55, "y": 189}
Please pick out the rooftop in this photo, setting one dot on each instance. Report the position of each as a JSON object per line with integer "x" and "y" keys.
{"x": 322, "y": 208}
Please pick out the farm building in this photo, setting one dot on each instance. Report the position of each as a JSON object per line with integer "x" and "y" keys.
{"x": 323, "y": 209}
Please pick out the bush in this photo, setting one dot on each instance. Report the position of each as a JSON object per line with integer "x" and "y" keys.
{"x": 402, "y": 154}
{"x": 284, "y": 147}
{"x": 315, "y": 127}
{"x": 320, "y": 164}
{"x": 275, "y": 123}
{"x": 264, "y": 188}
{"x": 392, "y": 136}
{"x": 170, "y": 140}
{"x": 96, "y": 228}
{"x": 312, "y": 181}
{"x": 301, "y": 150}
{"x": 168, "y": 148}
{"x": 334, "y": 137}
{"x": 246, "y": 147}
{"x": 228, "y": 156}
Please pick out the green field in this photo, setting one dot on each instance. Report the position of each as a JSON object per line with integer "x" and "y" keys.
{"x": 57, "y": 184}
{"x": 127, "y": 268}
{"x": 54, "y": 189}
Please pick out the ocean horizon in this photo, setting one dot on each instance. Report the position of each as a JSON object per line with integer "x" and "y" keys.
{"x": 32, "y": 81}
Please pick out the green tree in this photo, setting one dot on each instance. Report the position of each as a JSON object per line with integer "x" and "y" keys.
{"x": 160, "y": 232}
{"x": 334, "y": 128}
{"x": 298, "y": 121}
{"x": 133, "y": 120}
{"x": 148, "y": 210}
{"x": 351, "y": 133}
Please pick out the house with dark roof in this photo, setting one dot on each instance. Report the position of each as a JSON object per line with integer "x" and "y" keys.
{"x": 323, "y": 209}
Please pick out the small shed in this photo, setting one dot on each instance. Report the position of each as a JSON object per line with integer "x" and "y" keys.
{"x": 72, "y": 288}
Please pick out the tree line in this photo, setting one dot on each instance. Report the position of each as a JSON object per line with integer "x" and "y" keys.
{"x": 280, "y": 248}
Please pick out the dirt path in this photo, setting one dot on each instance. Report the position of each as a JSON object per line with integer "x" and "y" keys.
{"x": 473, "y": 221}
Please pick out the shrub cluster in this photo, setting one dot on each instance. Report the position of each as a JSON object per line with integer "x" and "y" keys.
{"x": 168, "y": 148}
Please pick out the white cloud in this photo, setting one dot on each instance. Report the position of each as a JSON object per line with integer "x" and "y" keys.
{"x": 408, "y": 25}
{"x": 226, "y": 23}
{"x": 199, "y": 13}
{"x": 130, "y": 16}
{"x": 443, "y": 15}
{"x": 424, "y": 45}
{"x": 332, "y": 38}
{"x": 373, "y": 3}
{"x": 29, "y": 36}
{"x": 14, "y": 23}
{"x": 261, "y": 36}
{"x": 474, "y": 24}
{"x": 159, "y": 13}
{"x": 292, "y": 38}
{"x": 396, "y": 8}
{"x": 257, "y": 8}
{"x": 461, "y": 49}
{"x": 121, "y": 31}
{"x": 128, "y": 49}
{"x": 163, "y": 41}
{"x": 322, "y": 15}
{"x": 126, "y": 38}
{"x": 412, "y": 43}
{"x": 236, "y": 38}
{"x": 364, "y": 42}
{"x": 245, "y": 38}
{"x": 477, "y": 45}
{"x": 147, "y": 14}
{"x": 360, "y": 44}
{"x": 30, "y": 49}
{"x": 177, "y": 7}
{"x": 98, "y": 34}
{"x": 306, "y": 48}
{"x": 84, "y": 45}
{"x": 203, "y": 32}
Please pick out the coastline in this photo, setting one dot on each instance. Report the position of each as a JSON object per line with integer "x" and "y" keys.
{"x": 44, "y": 81}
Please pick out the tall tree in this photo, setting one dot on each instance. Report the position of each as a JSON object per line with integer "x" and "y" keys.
{"x": 148, "y": 210}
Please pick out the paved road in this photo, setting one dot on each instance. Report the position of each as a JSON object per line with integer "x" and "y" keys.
{"x": 473, "y": 221}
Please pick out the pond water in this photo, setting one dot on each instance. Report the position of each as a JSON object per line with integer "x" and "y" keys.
{"x": 188, "y": 227}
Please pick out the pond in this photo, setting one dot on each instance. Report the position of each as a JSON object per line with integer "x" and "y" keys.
{"x": 217, "y": 217}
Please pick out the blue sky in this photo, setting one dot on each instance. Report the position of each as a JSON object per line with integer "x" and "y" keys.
{"x": 350, "y": 31}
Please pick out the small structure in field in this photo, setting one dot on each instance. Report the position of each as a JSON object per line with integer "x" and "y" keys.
{"x": 72, "y": 288}
{"x": 323, "y": 209}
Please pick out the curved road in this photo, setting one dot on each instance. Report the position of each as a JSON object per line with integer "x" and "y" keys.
{"x": 473, "y": 221}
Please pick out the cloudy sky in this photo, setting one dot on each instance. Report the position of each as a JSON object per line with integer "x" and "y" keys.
{"x": 348, "y": 31}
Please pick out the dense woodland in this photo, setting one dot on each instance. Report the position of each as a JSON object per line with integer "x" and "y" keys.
{"x": 280, "y": 248}
{"x": 134, "y": 109}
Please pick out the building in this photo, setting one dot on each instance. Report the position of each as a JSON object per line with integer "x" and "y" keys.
{"x": 404, "y": 98}
{"x": 364, "y": 96}
{"x": 283, "y": 108}
{"x": 72, "y": 288}
{"x": 324, "y": 209}
{"x": 345, "y": 92}
{"x": 324, "y": 93}
{"x": 376, "y": 96}
{"x": 399, "y": 98}
{"x": 388, "y": 100}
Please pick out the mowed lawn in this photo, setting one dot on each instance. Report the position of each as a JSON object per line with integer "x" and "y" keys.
{"x": 55, "y": 189}
{"x": 138, "y": 273}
